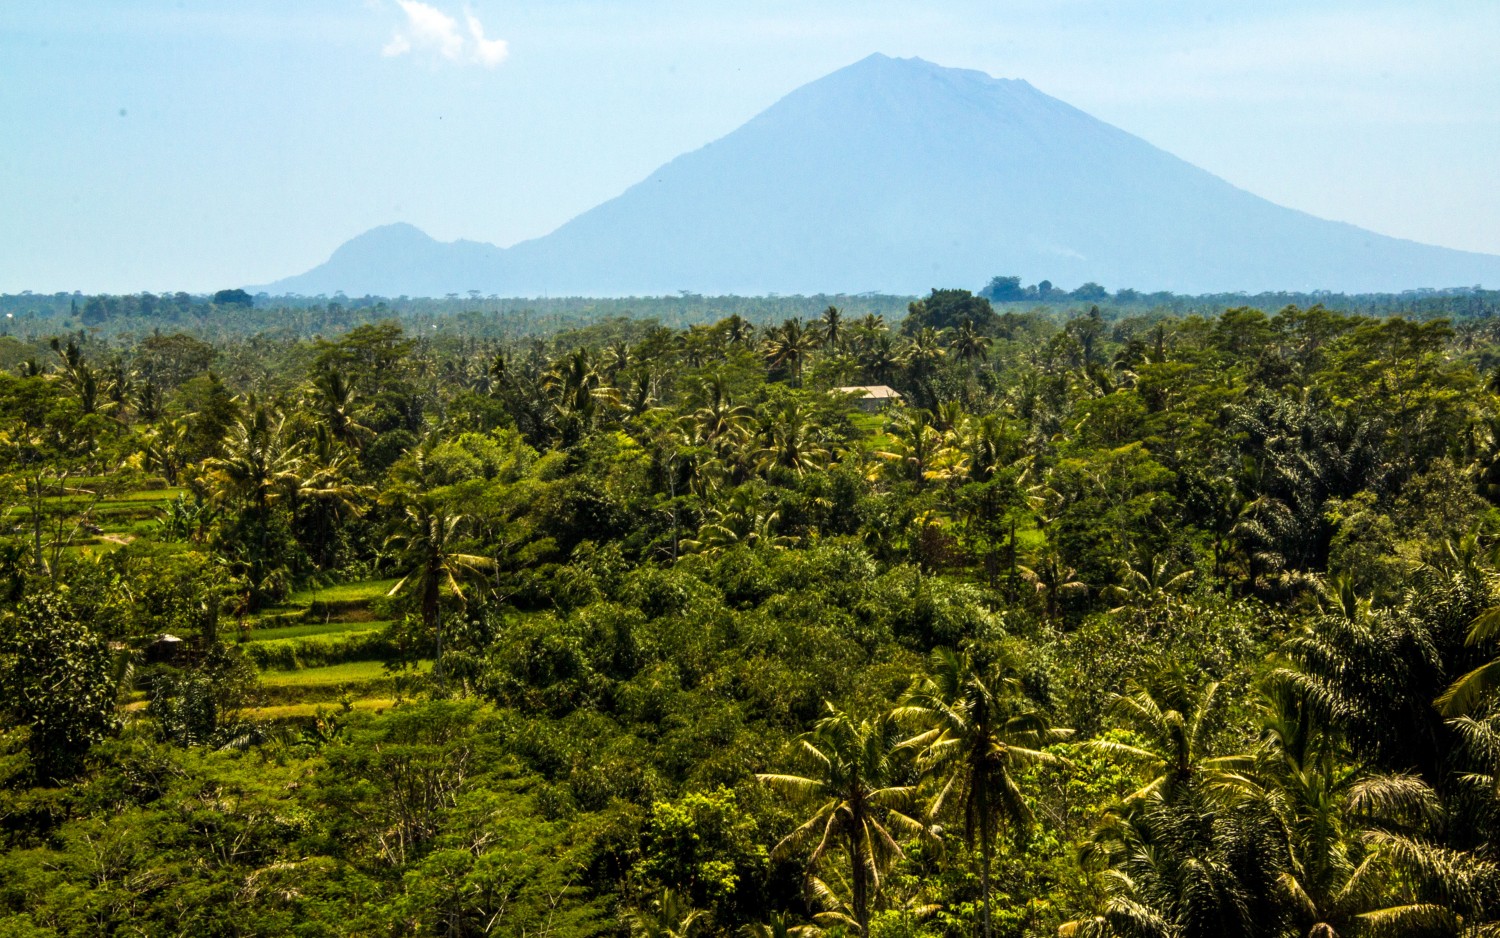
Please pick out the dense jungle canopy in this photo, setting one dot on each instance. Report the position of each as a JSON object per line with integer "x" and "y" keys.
{"x": 1134, "y": 616}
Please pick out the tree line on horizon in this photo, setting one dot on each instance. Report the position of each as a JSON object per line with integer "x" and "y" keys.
{"x": 234, "y": 313}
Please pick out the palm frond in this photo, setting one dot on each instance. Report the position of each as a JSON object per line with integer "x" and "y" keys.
{"x": 1464, "y": 694}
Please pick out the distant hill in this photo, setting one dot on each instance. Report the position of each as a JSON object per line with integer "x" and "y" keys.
{"x": 897, "y": 175}
{"x": 398, "y": 260}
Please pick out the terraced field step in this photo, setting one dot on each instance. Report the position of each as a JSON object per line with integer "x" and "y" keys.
{"x": 115, "y": 520}
{"x": 312, "y": 629}
{"x": 139, "y": 500}
{"x": 354, "y": 642}
{"x": 333, "y": 675}
{"x": 343, "y": 594}
{"x": 359, "y": 679}
{"x": 302, "y": 711}
{"x": 345, "y": 602}
{"x": 276, "y": 617}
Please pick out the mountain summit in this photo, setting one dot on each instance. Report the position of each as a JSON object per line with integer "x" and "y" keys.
{"x": 897, "y": 175}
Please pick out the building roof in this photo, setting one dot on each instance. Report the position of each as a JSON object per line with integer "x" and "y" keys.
{"x": 879, "y": 392}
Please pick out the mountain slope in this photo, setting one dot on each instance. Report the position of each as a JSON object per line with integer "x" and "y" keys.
{"x": 898, "y": 175}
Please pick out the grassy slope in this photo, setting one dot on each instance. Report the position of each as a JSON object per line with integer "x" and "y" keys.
{"x": 333, "y": 675}
{"x": 310, "y": 629}
{"x": 343, "y": 594}
{"x": 298, "y": 711}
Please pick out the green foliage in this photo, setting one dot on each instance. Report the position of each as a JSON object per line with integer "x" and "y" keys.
{"x": 201, "y": 704}
{"x": 1201, "y": 636}
{"x": 534, "y": 601}
{"x": 945, "y": 309}
{"x": 57, "y": 679}
{"x": 234, "y": 297}
{"x": 705, "y": 847}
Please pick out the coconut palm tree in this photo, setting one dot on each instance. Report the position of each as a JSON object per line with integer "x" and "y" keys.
{"x": 81, "y": 378}
{"x": 970, "y": 344}
{"x": 738, "y": 330}
{"x": 923, "y": 353}
{"x": 577, "y": 387}
{"x": 742, "y": 521}
{"x": 148, "y": 401}
{"x": 427, "y": 546}
{"x": 920, "y": 451}
{"x": 789, "y": 440}
{"x": 329, "y": 485}
{"x": 1190, "y": 868}
{"x": 1149, "y": 581}
{"x": 1460, "y": 883}
{"x": 864, "y": 796}
{"x": 1176, "y": 727}
{"x": 638, "y": 392}
{"x": 618, "y": 358}
{"x": 869, "y": 327}
{"x": 1376, "y": 672}
{"x": 720, "y": 422}
{"x": 1464, "y": 694}
{"x": 1479, "y": 738}
{"x": 697, "y": 344}
{"x": 989, "y": 444}
{"x": 1053, "y": 580}
{"x": 831, "y": 328}
{"x": 167, "y": 449}
{"x": 669, "y": 916}
{"x": 334, "y": 401}
{"x": 979, "y": 729}
{"x": 830, "y": 895}
{"x": 790, "y": 344}
{"x": 260, "y": 465}
{"x": 1211, "y": 846}
{"x": 881, "y": 357}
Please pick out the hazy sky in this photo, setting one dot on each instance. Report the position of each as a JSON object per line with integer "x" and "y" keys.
{"x": 197, "y": 145}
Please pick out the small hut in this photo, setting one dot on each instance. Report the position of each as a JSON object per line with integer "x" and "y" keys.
{"x": 164, "y": 648}
{"x": 872, "y": 398}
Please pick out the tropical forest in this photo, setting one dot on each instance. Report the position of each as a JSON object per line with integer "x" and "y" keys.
{"x": 1019, "y": 613}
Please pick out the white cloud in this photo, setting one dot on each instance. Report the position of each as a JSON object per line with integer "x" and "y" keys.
{"x": 430, "y": 31}
{"x": 489, "y": 52}
{"x": 431, "y": 28}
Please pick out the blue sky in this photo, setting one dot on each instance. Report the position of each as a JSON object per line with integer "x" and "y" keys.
{"x": 196, "y": 145}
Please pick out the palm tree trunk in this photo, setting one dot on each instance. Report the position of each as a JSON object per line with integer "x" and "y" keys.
{"x": 1011, "y": 558}
{"x": 860, "y": 885}
{"x": 433, "y": 614}
{"x": 39, "y": 560}
{"x": 984, "y": 856}
{"x": 437, "y": 665}
{"x": 263, "y": 526}
{"x": 979, "y": 782}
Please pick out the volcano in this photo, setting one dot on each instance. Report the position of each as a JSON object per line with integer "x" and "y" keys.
{"x": 898, "y": 175}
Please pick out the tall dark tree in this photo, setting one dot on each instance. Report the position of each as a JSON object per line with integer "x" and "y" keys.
{"x": 945, "y": 309}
